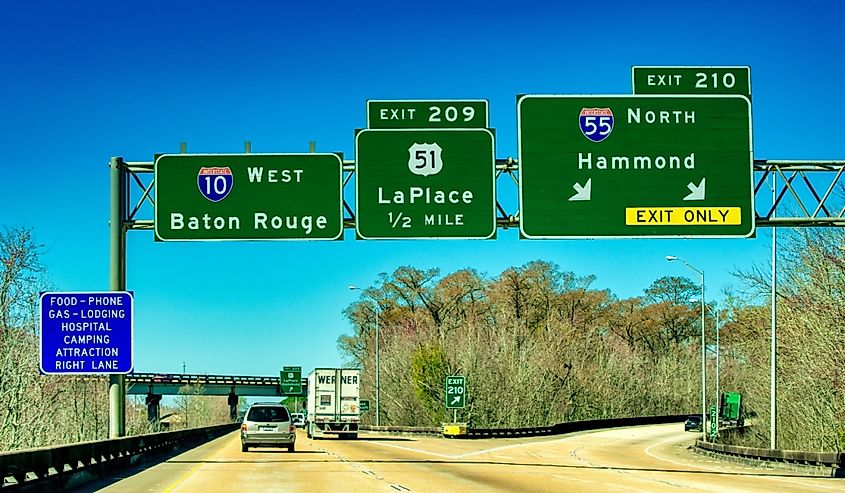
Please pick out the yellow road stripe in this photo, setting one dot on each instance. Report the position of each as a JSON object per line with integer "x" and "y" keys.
{"x": 182, "y": 478}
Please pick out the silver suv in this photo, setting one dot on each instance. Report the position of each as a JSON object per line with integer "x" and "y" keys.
{"x": 267, "y": 425}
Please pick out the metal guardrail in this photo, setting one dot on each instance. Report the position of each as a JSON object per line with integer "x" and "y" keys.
{"x": 415, "y": 430}
{"x": 574, "y": 426}
{"x": 834, "y": 460}
{"x": 556, "y": 429}
{"x": 57, "y": 467}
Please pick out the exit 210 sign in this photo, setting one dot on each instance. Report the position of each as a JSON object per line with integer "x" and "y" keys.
{"x": 635, "y": 166}
{"x": 456, "y": 392}
{"x": 692, "y": 80}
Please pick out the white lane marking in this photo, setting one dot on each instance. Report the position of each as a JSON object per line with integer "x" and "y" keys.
{"x": 413, "y": 450}
{"x": 808, "y": 484}
{"x": 623, "y": 470}
{"x": 717, "y": 470}
{"x": 664, "y": 442}
{"x": 469, "y": 454}
{"x": 572, "y": 478}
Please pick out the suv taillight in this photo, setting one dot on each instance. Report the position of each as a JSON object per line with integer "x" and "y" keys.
{"x": 292, "y": 428}
{"x": 243, "y": 428}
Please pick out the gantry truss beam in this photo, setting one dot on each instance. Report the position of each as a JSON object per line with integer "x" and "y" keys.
{"x": 806, "y": 194}
{"x": 797, "y": 202}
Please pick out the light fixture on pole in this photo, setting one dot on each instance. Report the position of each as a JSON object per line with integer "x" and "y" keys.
{"x": 378, "y": 361}
{"x": 672, "y": 258}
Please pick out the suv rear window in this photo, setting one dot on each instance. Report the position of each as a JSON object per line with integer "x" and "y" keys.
{"x": 268, "y": 414}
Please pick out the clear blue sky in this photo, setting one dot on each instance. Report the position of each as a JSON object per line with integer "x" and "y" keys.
{"x": 83, "y": 81}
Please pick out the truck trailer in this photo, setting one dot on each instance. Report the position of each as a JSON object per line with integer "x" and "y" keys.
{"x": 333, "y": 406}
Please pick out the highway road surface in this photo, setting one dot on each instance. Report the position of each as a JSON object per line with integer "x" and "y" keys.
{"x": 651, "y": 458}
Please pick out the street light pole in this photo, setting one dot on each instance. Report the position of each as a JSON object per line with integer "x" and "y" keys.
{"x": 378, "y": 368}
{"x": 718, "y": 395}
{"x": 773, "y": 388}
{"x": 672, "y": 258}
{"x": 378, "y": 354}
{"x": 703, "y": 363}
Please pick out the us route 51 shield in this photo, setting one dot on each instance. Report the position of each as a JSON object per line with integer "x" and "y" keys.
{"x": 425, "y": 159}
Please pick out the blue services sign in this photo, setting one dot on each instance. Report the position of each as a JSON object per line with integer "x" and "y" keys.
{"x": 86, "y": 333}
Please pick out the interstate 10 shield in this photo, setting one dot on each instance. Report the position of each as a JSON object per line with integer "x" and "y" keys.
{"x": 215, "y": 183}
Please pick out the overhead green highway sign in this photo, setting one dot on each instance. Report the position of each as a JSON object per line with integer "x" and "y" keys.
{"x": 425, "y": 183}
{"x": 290, "y": 379}
{"x": 635, "y": 166}
{"x": 691, "y": 80}
{"x": 456, "y": 392}
{"x": 248, "y": 197}
{"x": 467, "y": 113}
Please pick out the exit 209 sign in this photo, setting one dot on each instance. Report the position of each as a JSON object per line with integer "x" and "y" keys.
{"x": 467, "y": 113}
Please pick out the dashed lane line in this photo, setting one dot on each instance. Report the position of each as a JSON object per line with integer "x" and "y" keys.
{"x": 368, "y": 472}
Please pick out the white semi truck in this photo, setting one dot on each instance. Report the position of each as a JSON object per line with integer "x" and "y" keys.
{"x": 333, "y": 407}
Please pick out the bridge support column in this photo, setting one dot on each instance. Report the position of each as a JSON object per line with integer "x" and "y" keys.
{"x": 233, "y": 407}
{"x": 152, "y": 411}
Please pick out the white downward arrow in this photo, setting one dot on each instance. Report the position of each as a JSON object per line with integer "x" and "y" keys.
{"x": 696, "y": 192}
{"x": 583, "y": 193}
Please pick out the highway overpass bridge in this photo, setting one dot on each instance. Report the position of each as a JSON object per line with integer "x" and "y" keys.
{"x": 156, "y": 385}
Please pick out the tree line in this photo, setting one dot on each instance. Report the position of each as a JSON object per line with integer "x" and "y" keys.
{"x": 540, "y": 345}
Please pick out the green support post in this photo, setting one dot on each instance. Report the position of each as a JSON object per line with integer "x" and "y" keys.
{"x": 117, "y": 282}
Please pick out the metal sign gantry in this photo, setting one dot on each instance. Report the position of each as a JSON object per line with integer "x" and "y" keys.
{"x": 797, "y": 203}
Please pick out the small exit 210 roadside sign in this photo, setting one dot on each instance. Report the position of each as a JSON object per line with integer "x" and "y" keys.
{"x": 456, "y": 392}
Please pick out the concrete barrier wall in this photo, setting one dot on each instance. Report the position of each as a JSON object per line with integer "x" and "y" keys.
{"x": 834, "y": 460}
{"x": 70, "y": 465}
